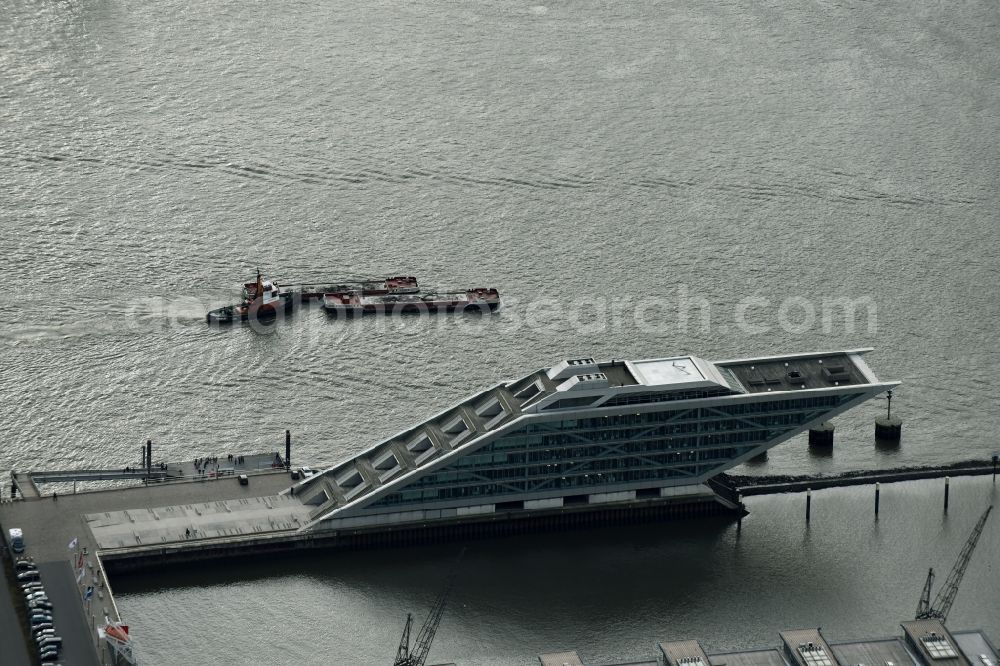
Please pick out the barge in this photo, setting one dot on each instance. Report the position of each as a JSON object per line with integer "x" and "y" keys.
{"x": 397, "y": 284}
{"x": 356, "y": 303}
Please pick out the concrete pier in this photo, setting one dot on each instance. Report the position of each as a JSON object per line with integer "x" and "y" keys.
{"x": 207, "y": 513}
{"x": 211, "y": 515}
{"x": 65, "y": 520}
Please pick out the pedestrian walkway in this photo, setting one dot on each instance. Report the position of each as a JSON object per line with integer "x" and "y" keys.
{"x": 221, "y": 466}
{"x": 26, "y": 488}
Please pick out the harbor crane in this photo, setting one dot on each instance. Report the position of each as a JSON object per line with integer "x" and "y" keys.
{"x": 946, "y": 595}
{"x": 417, "y": 656}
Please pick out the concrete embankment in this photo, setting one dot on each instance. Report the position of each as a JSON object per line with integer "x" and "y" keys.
{"x": 766, "y": 485}
{"x": 157, "y": 556}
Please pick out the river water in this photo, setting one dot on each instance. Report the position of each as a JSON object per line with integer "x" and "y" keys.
{"x": 638, "y": 179}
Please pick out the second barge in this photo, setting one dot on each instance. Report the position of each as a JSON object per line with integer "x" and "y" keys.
{"x": 357, "y": 303}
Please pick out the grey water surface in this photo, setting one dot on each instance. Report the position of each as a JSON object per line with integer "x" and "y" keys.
{"x": 639, "y": 179}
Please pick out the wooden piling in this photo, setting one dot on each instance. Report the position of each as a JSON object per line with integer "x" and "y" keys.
{"x": 877, "y": 492}
{"x": 739, "y": 519}
{"x": 808, "y": 503}
{"x": 947, "y": 484}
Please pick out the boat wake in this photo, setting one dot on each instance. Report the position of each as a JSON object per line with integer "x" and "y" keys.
{"x": 354, "y": 172}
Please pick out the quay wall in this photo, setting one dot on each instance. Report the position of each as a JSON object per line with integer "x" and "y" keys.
{"x": 463, "y": 528}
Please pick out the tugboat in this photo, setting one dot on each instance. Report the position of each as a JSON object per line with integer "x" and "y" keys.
{"x": 262, "y": 300}
{"x": 354, "y": 303}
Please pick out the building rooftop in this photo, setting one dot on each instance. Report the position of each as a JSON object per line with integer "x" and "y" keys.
{"x": 570, "y": 658}
{"x": 933, "y": 643}
{"x": 684, "y": 653}
{"x": 770, "y": 657}
{"x": 976, "y": 648}
{"x": 795, "y": 373}
{"x": 807, "y": 647}
{"x": 680, "y": 370}
{"x": 890, "y": 651}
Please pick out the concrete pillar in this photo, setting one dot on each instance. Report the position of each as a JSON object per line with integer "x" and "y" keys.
{"x": 821, "y": 435}
{"x": 888, "y": 428}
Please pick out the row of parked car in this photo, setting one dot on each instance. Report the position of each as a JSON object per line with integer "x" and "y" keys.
{"x": 48, "y": 643}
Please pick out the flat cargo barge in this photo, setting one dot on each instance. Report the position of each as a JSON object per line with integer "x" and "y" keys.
{"x": 356, "y": 303}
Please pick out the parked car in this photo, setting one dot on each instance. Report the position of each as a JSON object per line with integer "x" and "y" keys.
{"x": 16, "y": 540}
{"x": 48, "y": 654}
{"x": 244, "y": 480}
{"x": 54, "y": 641}
{"x": 28, "y": 575}
{"x": 32, "y": 585}
{"x": 25, "y": 565}
{"x": 39, "y": 619}
{"x": 45, "y": 626}
{"x": 40, "y": 604}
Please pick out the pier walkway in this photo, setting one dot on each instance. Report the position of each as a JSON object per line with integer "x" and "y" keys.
{"x": 769, "y": 485}
{"x": 199, "y": 469}
{"x": 66, "y": 517}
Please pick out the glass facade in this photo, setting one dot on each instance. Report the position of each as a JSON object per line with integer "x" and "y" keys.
{"x": 582, "y": 455}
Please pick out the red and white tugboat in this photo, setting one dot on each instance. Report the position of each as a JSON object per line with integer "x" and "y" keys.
{"x": 354, "y": 303}
{"x": 262, "y": 300}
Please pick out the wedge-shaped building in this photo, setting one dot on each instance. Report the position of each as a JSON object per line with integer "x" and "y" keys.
{"x": 585, "y": 435}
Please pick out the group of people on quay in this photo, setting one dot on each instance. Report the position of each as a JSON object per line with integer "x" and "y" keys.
{"x": 210, "y": 465}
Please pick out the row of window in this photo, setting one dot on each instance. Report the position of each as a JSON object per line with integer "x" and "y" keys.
{"x": 613, "y": 450}
{"x": 682, "y": 433}
{"x": 487, "y": 458}
{"x": 647, "y": 397}
{"x": 487, "y": 490}
{"x": 457, "y": 485}
{"x": 681, "y": 416}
